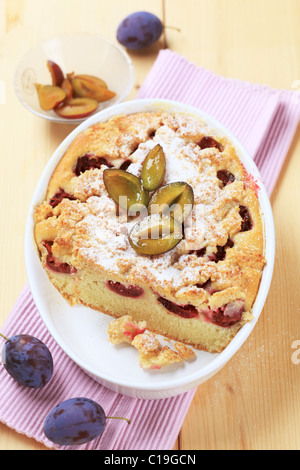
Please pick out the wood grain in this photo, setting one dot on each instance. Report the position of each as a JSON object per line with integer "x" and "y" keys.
{"x": 253, "y": 403}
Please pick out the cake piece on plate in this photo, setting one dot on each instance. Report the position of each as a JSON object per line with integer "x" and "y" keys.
{"x": 153, "y": 215}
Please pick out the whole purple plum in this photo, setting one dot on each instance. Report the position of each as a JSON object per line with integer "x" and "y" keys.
{"x": 139, "y": 30}
{"x": 27, "y": 360}
{"x": 76, "y": 421}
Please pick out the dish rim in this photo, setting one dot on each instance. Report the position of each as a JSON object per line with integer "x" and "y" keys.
{"x": 220, "y": 359}
{"x": 62, "y": 36}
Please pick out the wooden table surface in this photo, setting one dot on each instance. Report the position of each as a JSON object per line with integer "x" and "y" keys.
{"x": 254, "y": 401}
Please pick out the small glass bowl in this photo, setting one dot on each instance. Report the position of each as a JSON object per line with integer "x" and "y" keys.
{"x": 87, "y": 54}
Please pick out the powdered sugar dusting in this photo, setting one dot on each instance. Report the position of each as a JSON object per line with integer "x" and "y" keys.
{"x": 107, "y": 232}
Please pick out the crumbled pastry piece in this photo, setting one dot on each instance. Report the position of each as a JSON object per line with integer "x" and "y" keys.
{"x": 124, "y": 329}
{"x": 184, "y": 351}
{"x": 151, "y": 354}
{"x": 146, "y": 343}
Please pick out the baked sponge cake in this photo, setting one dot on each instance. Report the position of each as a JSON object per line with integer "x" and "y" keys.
{"x": 153, "y": 215}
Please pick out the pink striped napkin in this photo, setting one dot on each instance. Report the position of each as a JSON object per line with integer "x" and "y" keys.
{"x": 265, "y": 121}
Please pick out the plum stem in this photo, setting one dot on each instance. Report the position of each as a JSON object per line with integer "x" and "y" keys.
{"x": 6, "y": 339}
{"x": 117, "y": 417}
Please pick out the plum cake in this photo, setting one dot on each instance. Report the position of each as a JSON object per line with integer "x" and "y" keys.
{"x": 153, "y": 215}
